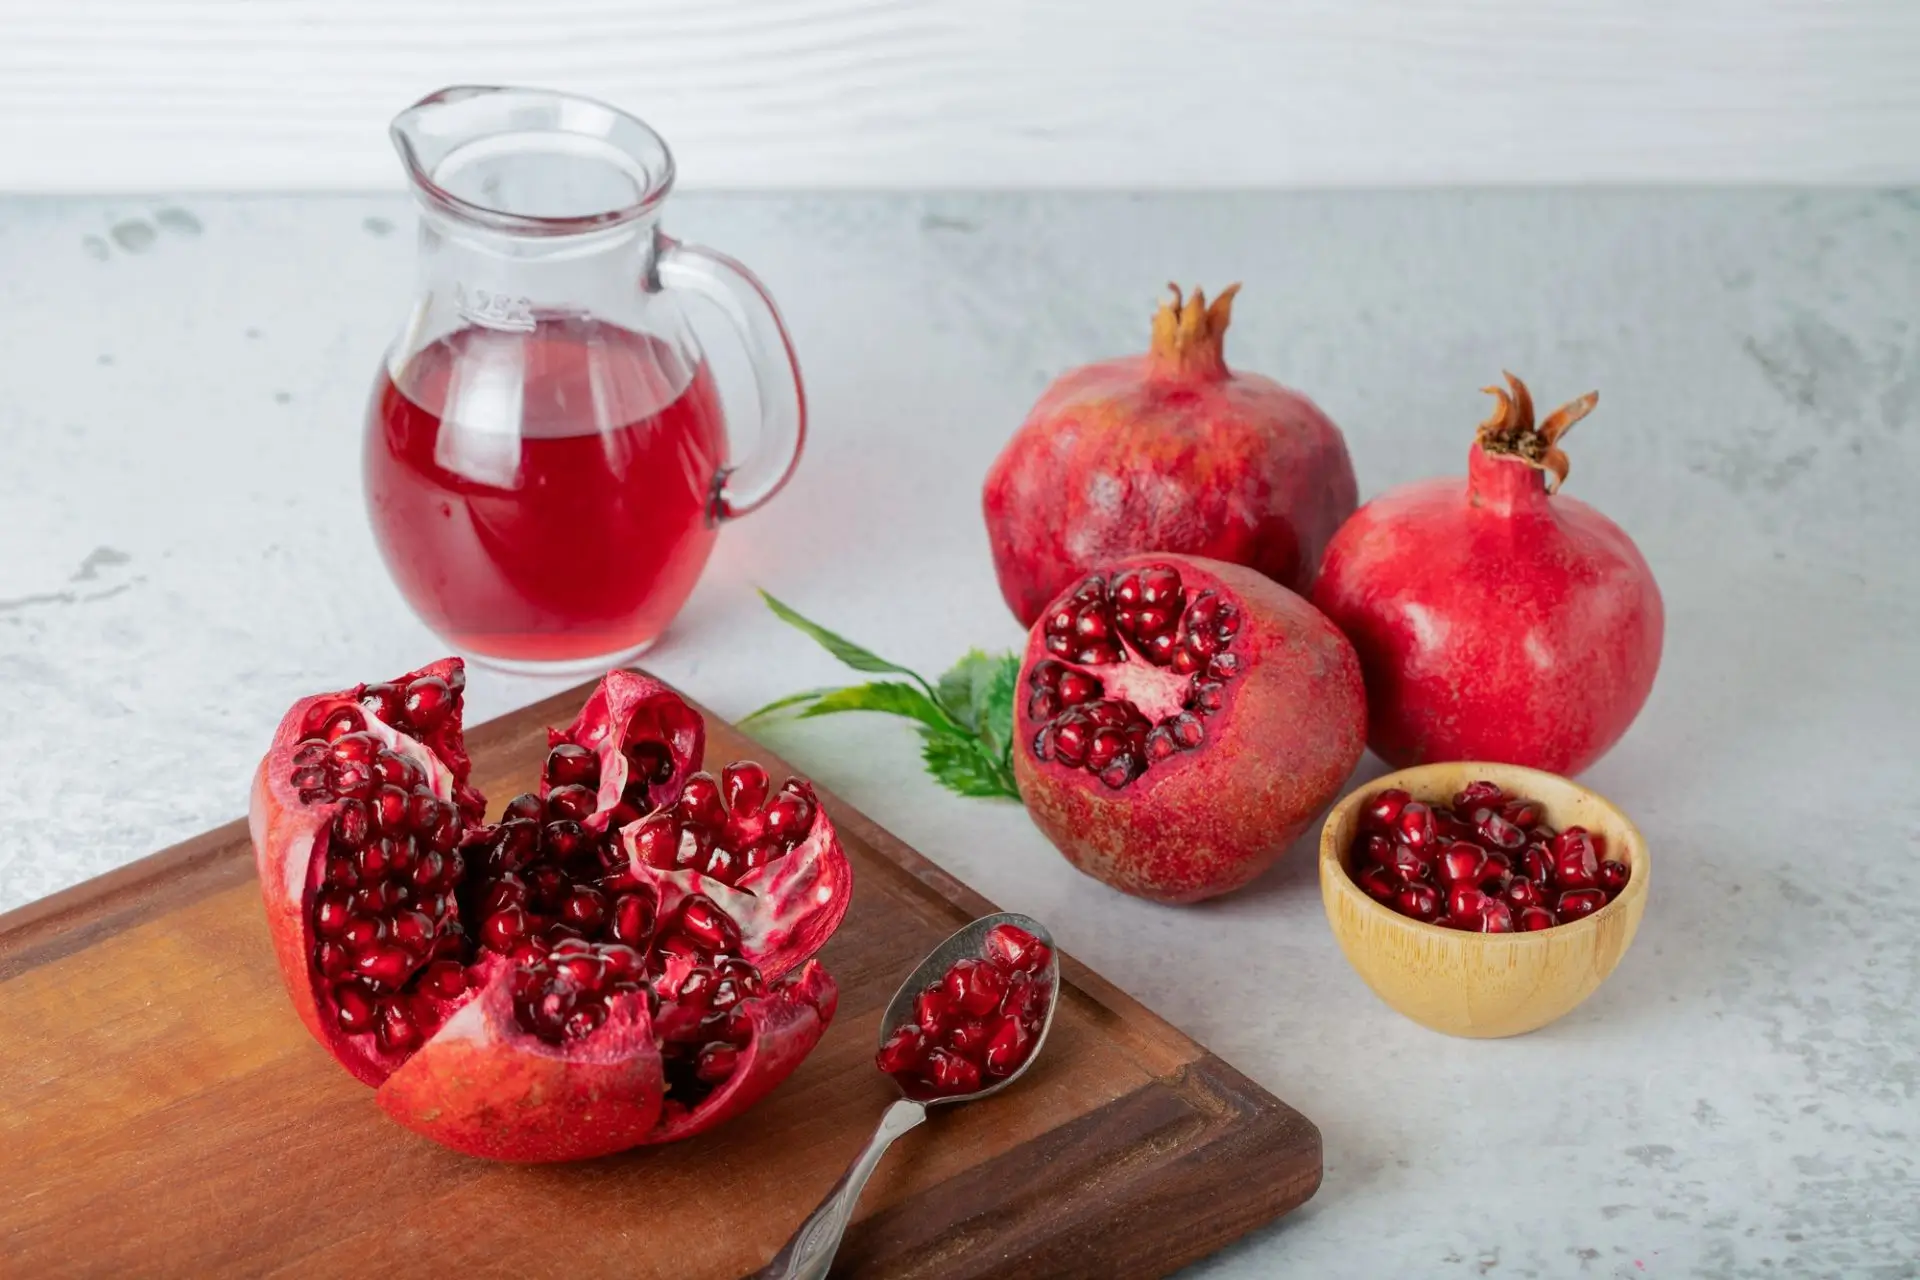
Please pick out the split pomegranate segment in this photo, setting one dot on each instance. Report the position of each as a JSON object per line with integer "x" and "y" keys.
{"x": 1487, "y": 863}
{"x": 979, "y": 1023}
{"x": 590, "y": 1000}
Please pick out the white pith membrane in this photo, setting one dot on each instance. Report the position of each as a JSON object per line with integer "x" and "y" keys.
{"x": 1136, "y": 665}
{"x": 585, "y": 953}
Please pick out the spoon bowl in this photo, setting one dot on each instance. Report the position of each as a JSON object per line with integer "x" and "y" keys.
{"x": 968, "y": 943}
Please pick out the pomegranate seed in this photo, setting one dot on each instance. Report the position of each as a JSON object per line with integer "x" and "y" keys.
{"x": 355, "y": 748}
{"x": 1497, "y": 833}
{"x": 1537, "y": 865}
{"x": 657, "y": 841}
{"x": 352, "y": 824}
{"x": 1462, "y": 863}
{"x": 444, "y": 978}
{"x": 1465, "y": 903}
{"x": 1522, "y": 813}
{"x": 585, "y": 970}
{"x": 1225, "y": 666}
{"x": 414, "y": 931}
{"x": 313, "y": 751}
{"x": 507, "y": 891}
{"x": 383, "y": 967}
{"x": 585, "y": 909}
{"x": 708, "y": 925}
{"x": 1208, "y": 696}
{"x": 1406, "y": 863}
{"x": 1124, "y": 769}
{"x": 1159, "y": 745}
{"x": 1534, "y": 919}
{"x": 1379, "y": 883}
{"x": 427, "y": 702}
{"x": 342, "y": 722}
{"x": 1043, "y": 704}
{"x": 1574, "y": 866}
{"x": 1477, "y": 795}
{"x": 332, "y": 959}
{"x": 903, "y": 1050}
{"x": 632, "y": 921}
{"x": 384, "y": 702}
{"x": 390, "y": 808}
{"x": 1415, "y": 825}
{"x": 569, "y": 765}
{"x": 391, "y": 766}
{"x": 1026, "y": 1000}
{"x": 310, "y": 778}
{"x": 330, "y": 914}
{"x": 1076, "y": 687}
{"x": 949, "y": 1073}
{"x": 699, "y": 802}
{"x": 394, "y": 1026}
{"x": 679, "y": 945}
{"x": 1009, "y": 1043}
{"x": 575, "y": 802}
{"x": 715, "y": 1063}
{"x": 789, "y": 817}
{"x": 1577, "y": 904}
{"x": 933, "y": 1009}
{"x": 525, "y": 806}
{"x": 1496, "y": 917}
{"x": 425, "y": 811}
{"x": 1010, "y": 948}
{"x": 353, "y": 1007}
{"x": 975, "y": 987}
{"x": 1187, "y": 730}
{"x": 1521, "y": 892}
{"x": 1382, "y": 812}
{"x": 1421, "y": 901}
{"x": 504, "y": 928}
{"x": 546, "y": 886}
{"x": 1613, "y": 876}
{"x": 361, "y": 932}
{"x": 968, "y": 1037}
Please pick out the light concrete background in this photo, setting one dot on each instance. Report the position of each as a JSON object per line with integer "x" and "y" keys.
{"x": 182, "y": 552}
{"x": 119, "y": 95}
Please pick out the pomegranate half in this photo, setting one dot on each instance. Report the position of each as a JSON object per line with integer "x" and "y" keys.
{"x": 1496, "y": 618}
{"x": 1180, "y": 721}
{"x": 623, "y": 958}
{"x": 1167, "y": 451}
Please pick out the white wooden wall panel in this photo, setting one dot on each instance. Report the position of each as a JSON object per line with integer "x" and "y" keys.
{"x": 132, "y": 94}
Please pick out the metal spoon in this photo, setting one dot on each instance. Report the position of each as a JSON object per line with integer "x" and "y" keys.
{"x": 809, "y": 1253}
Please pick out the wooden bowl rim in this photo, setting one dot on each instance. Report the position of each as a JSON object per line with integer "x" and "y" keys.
{"x": 1409, "y": 780}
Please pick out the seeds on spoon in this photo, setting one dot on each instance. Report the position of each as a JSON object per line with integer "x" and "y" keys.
{"x": 978, "y": 1024}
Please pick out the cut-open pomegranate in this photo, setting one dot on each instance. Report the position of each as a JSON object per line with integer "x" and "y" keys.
{"x": 1180, "y": 721}
{"x": 534, "y": 988}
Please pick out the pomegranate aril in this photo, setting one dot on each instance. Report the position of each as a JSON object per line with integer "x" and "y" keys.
{"x": 1537, "y": 865}
{"x": 933, "y": 1009}
{"x": 1533, "y": 919}
{"x": 1524, "y": 814}
{"x": 1043, "y": 704}
{"x": 575, "y": 802}
{"x": 353, "y": 1007}
{"x": 1574, "y": 867}
{"x": 427, "y": 702}
{"x": 1379, "y": 883}
{"x": 1012, "y": 949}
{"x": 1521, "y": 892}
{"x": 361, "y": 932}
{"x": 1477, "y": 795}
{"x": 699, "y": 802}
{"x": 330, "y": 914}
{"x": 384, "y": 967}
{"x": 949, "y": 1073}
{"x": 789, "y": 816}
{"x": 310, "y": 778}
{"x": 385, "y": 702}
{"x": 309, "y": 753}
{"x": 585, "y": 909}
{"x": 704, "y": 922}
{"x": 1496, "y": 917}
{"x": 1414, "y": 825}
{"x": 1124, "y": 768}
{"x": 504, "y": 928}
{"x": 975, "y": 987}
{"x": 715, "y": 1063}
{"x": 524, "y": 807}
{"x": 394, "y": 1026}
{"x": 1009, "y": 1043}
{"x": 1420, "y": 901}
{"x": 632, "y": 920}
{"x": 355, "y": 748}
{"x": 1614, "y": 876}
{"x": 352, "y": 824}
{"x": 1577, "y": 904}
{"x": 414, "y": 931}
{"x": 571, "y": 765}
{"x": 1077, "y": 687}
{"x": 391, "y": 766}
{"x": 1465, "y": 903}
{"x": 1409, "y": 864}
{"x": 903, "y": 1050}
{"x": 968, "y": 1037}
{"x": 1497, "y": 833}
{"x": 444, "y": 978}
{"x": 1460, "y": 863}
{"x": 1026, "y": 999}
{"x": 1382, "y": 811}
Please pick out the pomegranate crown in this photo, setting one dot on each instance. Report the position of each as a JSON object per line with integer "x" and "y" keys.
{"x": 1189, "y": 333}
{"x": 1510, "y": 431}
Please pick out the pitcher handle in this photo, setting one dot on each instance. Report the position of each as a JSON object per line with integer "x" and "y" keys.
{"x": 744, "y": 300}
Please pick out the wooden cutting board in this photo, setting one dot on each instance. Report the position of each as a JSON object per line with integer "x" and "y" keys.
{"x": 162, "y": 1111}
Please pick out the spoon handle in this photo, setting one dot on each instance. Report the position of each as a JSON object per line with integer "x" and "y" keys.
{"x": 809, "y": 1253}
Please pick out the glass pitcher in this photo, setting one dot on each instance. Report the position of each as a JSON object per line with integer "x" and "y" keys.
{"x": 547, "y": 463}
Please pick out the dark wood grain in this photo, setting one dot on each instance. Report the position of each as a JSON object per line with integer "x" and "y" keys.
{"x": 165, "y": 1114}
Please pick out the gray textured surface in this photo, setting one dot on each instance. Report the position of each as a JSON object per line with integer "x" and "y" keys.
{"x": 181, "y": 384}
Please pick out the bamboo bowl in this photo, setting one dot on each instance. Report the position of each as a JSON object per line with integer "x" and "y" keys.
{"x": 1477, "y": 984}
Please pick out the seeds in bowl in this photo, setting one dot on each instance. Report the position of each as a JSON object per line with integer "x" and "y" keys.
{"x": 1487, "y": 863}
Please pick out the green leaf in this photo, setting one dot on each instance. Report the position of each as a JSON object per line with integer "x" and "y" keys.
{"x": 995, "y": 709}
{"x": 890, "y": 696}
{"x": 792, "y": 699}
{"x": 961, "y": 687}
{"x": 839, "y": 646}
{"x": 960, "y": 765}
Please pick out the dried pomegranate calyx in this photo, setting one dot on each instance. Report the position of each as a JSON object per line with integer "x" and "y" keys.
{"x": 1510, "y": 431}
{"x": 1189, "y": 334}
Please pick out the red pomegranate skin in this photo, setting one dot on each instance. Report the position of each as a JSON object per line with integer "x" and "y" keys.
{"x": 1495, "y": 619}
{"x": 1209, "y": 821}
{"x": 1167, "y": 451}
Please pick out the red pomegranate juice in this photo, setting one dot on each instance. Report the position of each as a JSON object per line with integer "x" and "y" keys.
{"x": 542, "y": 497}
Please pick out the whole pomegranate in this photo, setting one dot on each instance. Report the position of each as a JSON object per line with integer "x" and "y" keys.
{"x": 1170, "y": 451}
{"x": 1496, "y": 618}
{"x": 621, "y": 959}
{"x": 1180, "y": 721}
